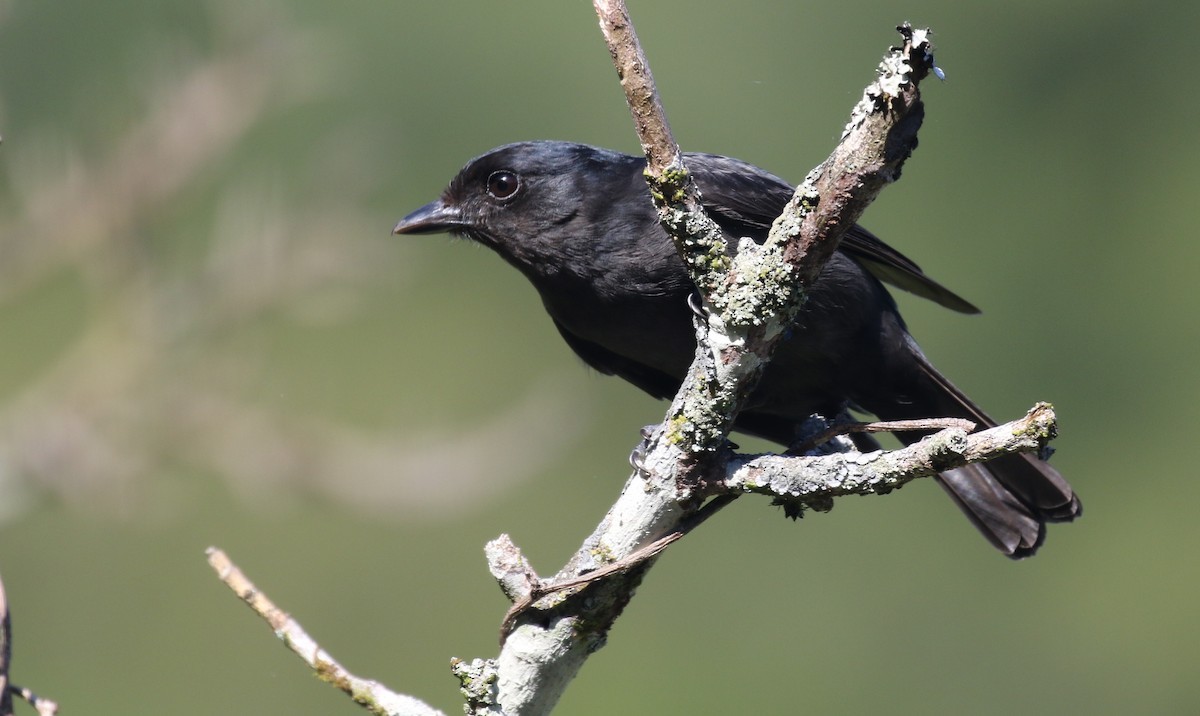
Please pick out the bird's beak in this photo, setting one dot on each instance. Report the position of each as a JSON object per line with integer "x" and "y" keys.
{"x": 434, "y": 217}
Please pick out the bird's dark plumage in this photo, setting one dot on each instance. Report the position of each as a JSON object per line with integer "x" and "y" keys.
{"x": 579, "y": 223}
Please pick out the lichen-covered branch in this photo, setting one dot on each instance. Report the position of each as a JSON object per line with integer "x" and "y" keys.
{"x": 369, "y": 694}
{"x": 557, "y": 623}
{"x": 818, "y": 479}
{"x": 752, "y": 293}
{"x": 747, "y": 296}
{"x": 698, "y": 239}
{"x": 878, "y": 139}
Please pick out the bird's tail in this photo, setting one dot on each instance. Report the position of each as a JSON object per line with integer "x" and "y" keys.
{"x": 1009, "y": 499}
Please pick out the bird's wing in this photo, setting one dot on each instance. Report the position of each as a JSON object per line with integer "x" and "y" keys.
{"x": 744, "y": 200}
{"x": 891, "y": 266}
{"x": 653, "y": 381}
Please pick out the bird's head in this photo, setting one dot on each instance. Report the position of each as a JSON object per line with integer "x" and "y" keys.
{"x": 541, "y": 205}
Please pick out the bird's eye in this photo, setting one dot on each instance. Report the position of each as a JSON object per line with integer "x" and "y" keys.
{"x": 503, "y": 184}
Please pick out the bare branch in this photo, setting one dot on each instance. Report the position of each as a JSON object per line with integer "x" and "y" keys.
{"x": 6, "y": 704}
{"x": 649, "y": 117}
{"x": 369, "y": 694}
{"x": 44, "y": 707}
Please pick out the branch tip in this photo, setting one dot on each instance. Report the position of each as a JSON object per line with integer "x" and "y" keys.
{"x": 510, "y": 568}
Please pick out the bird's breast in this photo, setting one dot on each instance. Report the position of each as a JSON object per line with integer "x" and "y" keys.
{"x": 647, "y": 323}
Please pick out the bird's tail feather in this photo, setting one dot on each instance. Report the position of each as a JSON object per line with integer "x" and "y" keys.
{"x": 1009, "y": 499}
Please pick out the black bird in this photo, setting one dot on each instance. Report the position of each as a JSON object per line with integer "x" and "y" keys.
{"x": 578, "y": 221}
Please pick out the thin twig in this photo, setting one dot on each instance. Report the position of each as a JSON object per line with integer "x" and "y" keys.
{"x": 6, "y": 705}
{"x": 649, "y": 117}
{"x": 538, "y": 588}
{"x": 881, "y": 426}
{"x": 367, "y": 693}
{"x": 44, "y": 707}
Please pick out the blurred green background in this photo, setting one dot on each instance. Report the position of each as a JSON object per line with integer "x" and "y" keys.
{"x": 209, "y": 337}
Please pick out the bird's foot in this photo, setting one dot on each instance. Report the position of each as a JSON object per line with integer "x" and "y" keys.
{"x": 696, "y": 303}
{"x": 637, "y": 456}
